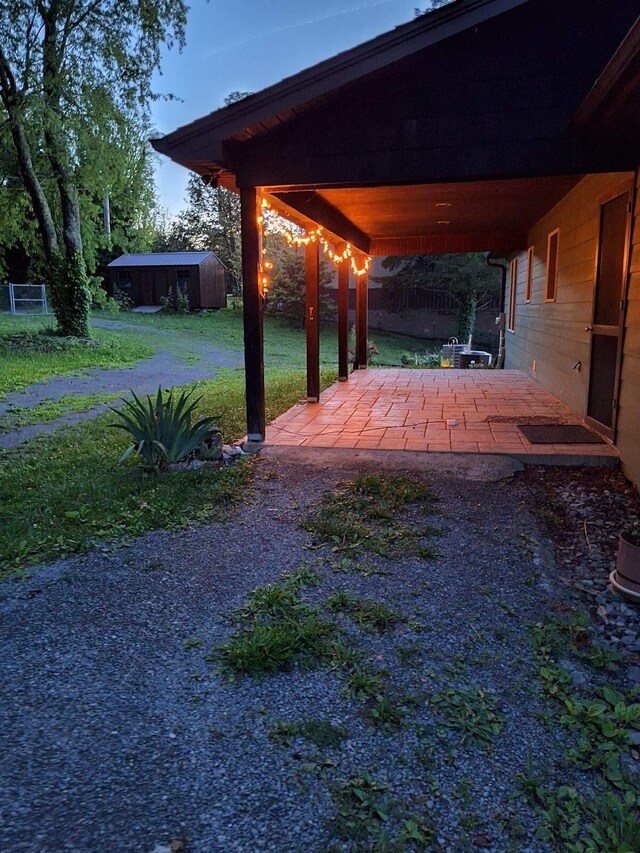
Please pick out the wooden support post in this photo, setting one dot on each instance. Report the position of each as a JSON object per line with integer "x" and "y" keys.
{"x": 252, "y": 310}
{"x": 362, "y": 321}
{"x": 343, "y": 321}
{"x": 312, "y": 320}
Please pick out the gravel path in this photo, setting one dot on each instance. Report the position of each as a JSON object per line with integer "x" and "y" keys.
{"x": 176, "y": 362}
{"x": 114, "y": 736}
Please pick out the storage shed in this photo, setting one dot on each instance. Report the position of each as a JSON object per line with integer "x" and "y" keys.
{"x": 146, "y": 278}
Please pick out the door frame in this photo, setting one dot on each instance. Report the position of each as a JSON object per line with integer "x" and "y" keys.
{"x": 626, "y": 187}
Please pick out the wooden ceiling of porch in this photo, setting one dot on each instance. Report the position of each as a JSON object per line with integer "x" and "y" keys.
{"x": 431, "y": 218}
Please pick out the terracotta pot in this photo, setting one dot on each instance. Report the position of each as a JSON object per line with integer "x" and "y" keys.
{"x": 626, "y": 578}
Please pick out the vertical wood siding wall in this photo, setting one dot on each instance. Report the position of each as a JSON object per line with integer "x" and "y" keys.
{"x": 628, "y": 438}
{"x": 553, "y": 335}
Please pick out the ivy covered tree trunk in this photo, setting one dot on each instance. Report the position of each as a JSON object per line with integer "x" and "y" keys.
{"x": 467, "y": 309}
{"x": 67, "y": 275}
{"x": 70, "y": 294}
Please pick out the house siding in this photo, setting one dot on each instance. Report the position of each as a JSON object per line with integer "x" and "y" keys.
{"x": 628, "y": 438}
{"x": 552, "y": 334}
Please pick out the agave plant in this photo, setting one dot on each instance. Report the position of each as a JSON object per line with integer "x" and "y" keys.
{"x": 162, "y": 430}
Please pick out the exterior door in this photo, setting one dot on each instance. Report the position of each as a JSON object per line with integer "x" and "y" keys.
{"x": 608, "y": 313}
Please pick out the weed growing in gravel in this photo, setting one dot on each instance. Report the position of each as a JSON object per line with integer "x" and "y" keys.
{"x": 571, "y": 822}
{"x": 364, "y": 612}
{"x": 343, "y": 654}
{"x": 551, "y": 509}
{"x": 473, "y": 713}
{"x": 365, "y": 682}
{"x": 345, "y": 565}
{"x": 322, "y": 733}
{"x": 409, "y": 654}
{"x": 385, "y": 715}
{"x": 276, "y": 630}
{"x": 600, "y": 721}
{"x": 573, "y": 634}
{"x": 364, "y": 516}
{"x": 362, "y": 807}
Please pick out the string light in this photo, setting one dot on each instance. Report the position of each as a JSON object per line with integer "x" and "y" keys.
{"x": 265, "y": 265}
{"x": 295, "y": 236}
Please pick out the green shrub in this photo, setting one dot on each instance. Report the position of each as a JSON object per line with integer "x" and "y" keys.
{"x": 161, "y": 430}
{"x": 177, "y": 300}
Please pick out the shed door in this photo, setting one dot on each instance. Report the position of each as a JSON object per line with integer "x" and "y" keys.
{"x": 608, "y": 313}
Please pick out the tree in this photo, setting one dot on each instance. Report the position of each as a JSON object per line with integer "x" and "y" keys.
{"x": 467, "y": 277}
{"x": 71, "y": 70}
{"x": 210, "y": 221}
{"x": 286, "y": 294}
{"x": 434, "y": 4}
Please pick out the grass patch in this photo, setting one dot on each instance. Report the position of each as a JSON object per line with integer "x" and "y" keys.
{"x": 384, "y": 714}
{"x": 321, "y": 733}
{"x": 574, "y": 634}
{"x": 277, "y": 630}
{"x": 365, "y": 612}
{"x": 284, "y": 343}
{"x": 347, "y": 566}
{"x": 364, "y": 515}
{"x": 599, "y": 720}
{"x": 50, "y": 410}
{"x": 361, "y": 807}
{"x": 365, "y": 683}
{"x": 472, "y": 713}
{"x": 61, "y": 494}
{"x": 30, "y": 352}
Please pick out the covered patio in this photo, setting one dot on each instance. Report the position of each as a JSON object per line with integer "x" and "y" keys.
{"x": 455, "y": 132}
{"x": 463, "y": 411}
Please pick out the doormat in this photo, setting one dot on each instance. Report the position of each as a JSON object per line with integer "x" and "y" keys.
{"x": 559, "y": 434}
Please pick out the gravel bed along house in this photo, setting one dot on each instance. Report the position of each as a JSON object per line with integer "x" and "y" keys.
{"x": 119, "y": 733}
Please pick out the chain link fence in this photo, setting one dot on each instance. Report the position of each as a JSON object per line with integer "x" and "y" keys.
{"x": 21, "y": 299}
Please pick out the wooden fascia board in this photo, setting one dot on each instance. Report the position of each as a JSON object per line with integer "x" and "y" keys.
{"x": 613, "y": 75}
{"x": 313, "y": 207}
{"x": 442, "y": 244}
{"x": 330, "y": 74}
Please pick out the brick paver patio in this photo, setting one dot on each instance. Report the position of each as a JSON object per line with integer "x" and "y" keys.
{"x": 415, "y": 410}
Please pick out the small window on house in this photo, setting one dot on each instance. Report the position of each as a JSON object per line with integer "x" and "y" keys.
{"x": 529, "y": 286}
{"x": 513, "y": 295}
{"x": 552, "y": 266}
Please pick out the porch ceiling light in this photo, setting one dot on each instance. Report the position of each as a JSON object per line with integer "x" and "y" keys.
{"x": 444, "y": 222}
{"x": 443, "y": 204}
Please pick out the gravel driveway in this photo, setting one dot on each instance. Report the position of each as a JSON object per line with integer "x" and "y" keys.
{"x": 177, "y": 361}
{"x": 116, "y": 732}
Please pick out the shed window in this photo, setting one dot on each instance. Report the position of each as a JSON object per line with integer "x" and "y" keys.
{"x": 513, "y": 295}
{"x": 183, "y": 280}
{"x": 552, "y": 266}
{"x": 529, "y": 286}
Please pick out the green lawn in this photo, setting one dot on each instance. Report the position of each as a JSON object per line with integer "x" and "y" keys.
{"x": 46, "y": 356}
{"x": 63, "y": 493}
{"x": 284, "y": 344}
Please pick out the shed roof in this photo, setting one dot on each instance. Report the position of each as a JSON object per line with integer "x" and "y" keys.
{"x": 162, "y": 259}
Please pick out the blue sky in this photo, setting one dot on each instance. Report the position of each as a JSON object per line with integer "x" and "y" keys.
{"x": 248, "y": 44}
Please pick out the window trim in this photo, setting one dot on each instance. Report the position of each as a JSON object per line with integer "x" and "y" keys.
{"x": 528, "y": 291}
{"x": 513, "y": 296}
{"x": 555, "y": 233}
